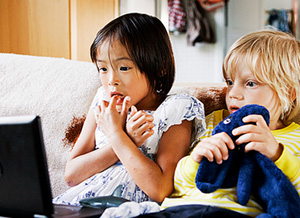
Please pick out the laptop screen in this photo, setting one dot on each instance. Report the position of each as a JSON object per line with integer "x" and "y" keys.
{"x": 24, "y": 181}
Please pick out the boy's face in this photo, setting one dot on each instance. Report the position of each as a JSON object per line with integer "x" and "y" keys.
{"x": 245, "y": 89}
{"x": 120, "y": 76}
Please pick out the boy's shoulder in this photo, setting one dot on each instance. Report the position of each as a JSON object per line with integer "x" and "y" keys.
{"x": 217, "y": 116}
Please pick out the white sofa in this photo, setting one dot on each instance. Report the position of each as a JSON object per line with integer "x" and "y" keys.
{"x": 60, "y": 91}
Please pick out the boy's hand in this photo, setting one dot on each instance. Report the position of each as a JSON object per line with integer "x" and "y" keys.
{"x": 258, "y": 137}
{"x": 213, "y": 148}
{"x": 139, "y": 126}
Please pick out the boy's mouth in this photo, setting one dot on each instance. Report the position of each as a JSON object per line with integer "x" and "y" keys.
{"x": 233, "y": 108}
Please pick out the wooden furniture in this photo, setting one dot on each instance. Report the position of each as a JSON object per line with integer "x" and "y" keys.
{"x": 56, "y": 28}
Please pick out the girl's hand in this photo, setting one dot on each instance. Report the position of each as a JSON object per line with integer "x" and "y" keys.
{"x": 139, "y": 126}
{"x": 214, "y": 147}
{"x": 109, "y": 119}
{"x": 258, "y": 137}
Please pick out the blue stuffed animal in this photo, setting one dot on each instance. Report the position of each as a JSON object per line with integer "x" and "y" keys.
{"x": 251, "y": 172}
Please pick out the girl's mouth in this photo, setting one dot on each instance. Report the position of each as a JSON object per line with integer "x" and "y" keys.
{"x": 120, "y": 97}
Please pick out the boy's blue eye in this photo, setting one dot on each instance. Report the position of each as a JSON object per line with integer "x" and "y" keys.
{"x": 229, "y": 82}
{"x": 124, "y": 68}
{"x": 251, "y": 83}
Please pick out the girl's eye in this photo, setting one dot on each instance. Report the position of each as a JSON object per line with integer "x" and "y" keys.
{"x": 229, "y": 82}
{"x": 124, "y": 68}
{"x": 102, "y": 70}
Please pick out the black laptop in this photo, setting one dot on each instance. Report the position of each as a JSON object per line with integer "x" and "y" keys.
{"x": 25, "y": 189}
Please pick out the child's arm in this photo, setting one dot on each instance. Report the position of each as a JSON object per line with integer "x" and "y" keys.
{"x": 84, "y": 161}
{"x": 154, "y": 178}
{"x": 213, "y": 148}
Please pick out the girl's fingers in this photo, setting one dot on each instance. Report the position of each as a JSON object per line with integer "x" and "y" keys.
{"x": 144, "y": 128}
{"x": 113, "y": 102}
{"x": 133, "y": 110}
{"x": 103, "y": 104}
{"x": 98, "y": 109}
{"x": 147, "y": 134}
{"x": 139, "y": 114}
{"x": 101, "y": 107}
{"x": 126, "y": 105}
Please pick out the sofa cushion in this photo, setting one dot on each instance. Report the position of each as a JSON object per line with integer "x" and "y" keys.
{"x": 57, "y": 90}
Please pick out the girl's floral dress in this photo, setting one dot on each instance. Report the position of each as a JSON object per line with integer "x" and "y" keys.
{"x": 173, "y": 110}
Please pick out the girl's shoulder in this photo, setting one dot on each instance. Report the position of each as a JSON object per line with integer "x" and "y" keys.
{"x": 180, "y": 107}
{"x": 181, "y": 104}
{"x": 182, "y": 99}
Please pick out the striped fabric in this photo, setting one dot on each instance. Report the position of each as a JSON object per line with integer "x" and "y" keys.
{"x": 176, "y": 16}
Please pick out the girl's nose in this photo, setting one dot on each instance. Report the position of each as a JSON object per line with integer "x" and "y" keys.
{"x": 113, "y": 80}
{"x": 114, "y": 83}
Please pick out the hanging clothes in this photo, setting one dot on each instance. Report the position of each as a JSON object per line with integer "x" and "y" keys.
{"x": 198, "y": 26}
{"x": 280, "y": 20}
{"x": 212, "y": 5}
{"x": 177, "y": 16}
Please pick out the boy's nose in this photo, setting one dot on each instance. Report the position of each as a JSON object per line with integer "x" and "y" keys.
{"x": 235, "y": 92}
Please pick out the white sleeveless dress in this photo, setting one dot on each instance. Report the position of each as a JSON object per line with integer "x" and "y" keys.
{"x": 173, "y": 110}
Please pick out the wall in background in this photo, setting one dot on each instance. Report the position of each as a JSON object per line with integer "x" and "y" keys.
{"x": 202, "y": 62}
{"x": 54, "y": 28}
{"x": 199, "y": 63}
{"x": 66, "y": 28}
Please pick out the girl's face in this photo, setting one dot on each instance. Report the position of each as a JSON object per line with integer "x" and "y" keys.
{"x": 245, "y": 89}
{"x": 120, "y": 76}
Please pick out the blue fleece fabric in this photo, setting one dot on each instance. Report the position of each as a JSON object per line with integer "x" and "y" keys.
{"x": 251, "y": 172}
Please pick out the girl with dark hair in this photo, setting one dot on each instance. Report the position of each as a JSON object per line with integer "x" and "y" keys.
{"x": 134, "y": 133}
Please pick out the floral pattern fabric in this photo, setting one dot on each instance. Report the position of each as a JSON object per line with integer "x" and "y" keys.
{"x": 173, "y": 110}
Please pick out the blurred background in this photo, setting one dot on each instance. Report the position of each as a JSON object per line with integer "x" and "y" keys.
{"x": 201, "y": 31}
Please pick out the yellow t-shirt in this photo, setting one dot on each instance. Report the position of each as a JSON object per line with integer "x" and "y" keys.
{"x": 186, "y": 192}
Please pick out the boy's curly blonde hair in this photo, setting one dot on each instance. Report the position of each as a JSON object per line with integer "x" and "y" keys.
{"x": 274, "y": 59}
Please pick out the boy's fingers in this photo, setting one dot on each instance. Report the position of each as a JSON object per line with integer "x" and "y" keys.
{"x": 226, "y": 139}
{"x": 255, "y": 118}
